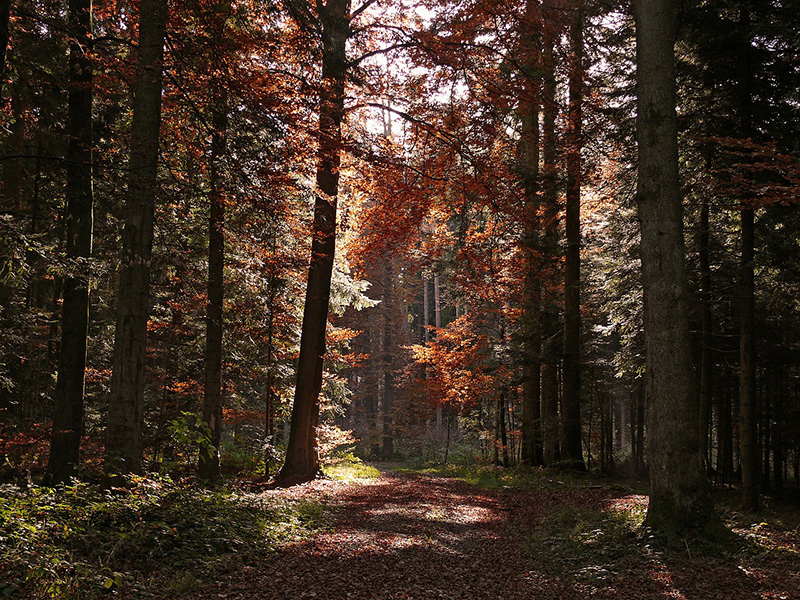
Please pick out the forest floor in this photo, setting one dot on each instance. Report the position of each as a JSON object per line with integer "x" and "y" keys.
{"x": 418, "y": 535}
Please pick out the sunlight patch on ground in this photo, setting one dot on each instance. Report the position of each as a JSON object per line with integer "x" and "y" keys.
{"x": 368, "y": 542}
{"x": 632, "y": 502}
{"x": 460, "y": 514}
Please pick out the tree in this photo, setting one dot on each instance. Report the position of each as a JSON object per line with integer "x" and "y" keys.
{"x": 680, "y": 500}
{"x": 208, "y": 467}
{"x": 302, "y": 460}
{"x": 126, "y": 405}
{"x": 68, "y": 414}
{"x": 571, "y": 449}
{"x": 529, "y": 174}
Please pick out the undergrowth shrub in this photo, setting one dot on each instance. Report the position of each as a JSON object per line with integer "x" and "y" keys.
{"x": 80, "y": 541}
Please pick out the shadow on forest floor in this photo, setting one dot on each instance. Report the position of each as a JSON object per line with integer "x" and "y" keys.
{"x": 430, "y": 537}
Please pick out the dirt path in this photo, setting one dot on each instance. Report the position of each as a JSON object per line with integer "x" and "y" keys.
{"x": 431, "y": 538}
{"x": 396, "y": 537}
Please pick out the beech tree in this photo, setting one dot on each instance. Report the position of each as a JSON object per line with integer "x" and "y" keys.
{"x": 302, "y": 459}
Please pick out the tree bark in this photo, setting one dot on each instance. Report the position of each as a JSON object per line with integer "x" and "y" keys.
{"x": 706, "y": 364}
{"x": 208, "y": 467}
{"x": 748, "y": 435}
{"x": 528, "y": 168}
{"x": 571, "y": 449}
{"x": 5, "y": 13}
{"x": 680, "y": 500}
{"x": 387, "y": 449}
{"x": 302, "y": 460}
{"x": 68, "y": 414}
{"x": 748, "y": 441}
{"x": 126, "y": 406}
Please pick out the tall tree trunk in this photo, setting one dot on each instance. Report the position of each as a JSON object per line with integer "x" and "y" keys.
{"x": 437, "y": 319}
{"x": 571, "y": 449}
{"x": 748, "y": 440}
{"x": 725, "y": 433}
{"x": 269, "y": 408}
{"x": 528, "y": 167}
{"x": 748, "y": 435}
{"x": 550, "y": 414}
{"x": 777, "y": 439}
{"x": 705, "y": 332}
{"x": 501, "y": 425}
{"x": 302, "y": 460}
{"x": 387, "y": 449}
{"x": 425, "y": 310}
{"x": 126, "y": 405}
{"x": 548, "y": 322}
{"x": 680, "y": 499}
{"x": 5, "y": 13}
{"x": 208, "y": 467}
{"x": 13, "y": 171}
{"x": 68, "y": 413}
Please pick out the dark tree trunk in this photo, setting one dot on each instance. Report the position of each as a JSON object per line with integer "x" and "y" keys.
{"x": 748, "y": 434}
{"x": 680, "y": 500}
{"x": 571, "y": 450}
{"x": 388, "y": 348}
{"x": 641, "y": 397}
{"x": 68, "y": 414}
{"x": 705, "y": 333}
{"x": 748, "y": 440}
{"x": 269, "y": 408}
{"x": 725, "y": 434}
{"x": 14, "y": 167}
{"x": 550, "y": 414}
{"x": 501, "y": 424}
{"x": 548, "y": 249}
{"x": 528, "y": 167}
{"x": 777, "y": 438}
{"x": 302, "y": 460}
{"x": 126, "y": 405}
{"x": 208, "y": 467}
{"x": 5, "y": 12}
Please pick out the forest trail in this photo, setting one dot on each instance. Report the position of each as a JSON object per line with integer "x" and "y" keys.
{"x": 432, "y": 538}
{"x": 397, "y": 536}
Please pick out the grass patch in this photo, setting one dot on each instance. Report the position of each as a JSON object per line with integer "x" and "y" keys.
{"x": 583, "y": 544}
{"x": 513, "y": 478}
{"x": 350, "y": 468}
{"x": 80, "y": 541}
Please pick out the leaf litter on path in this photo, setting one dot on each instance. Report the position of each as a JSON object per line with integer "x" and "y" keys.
{"x": 433, "y": 538}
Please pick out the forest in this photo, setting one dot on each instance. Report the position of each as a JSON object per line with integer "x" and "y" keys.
{"x": 260, "y": 259}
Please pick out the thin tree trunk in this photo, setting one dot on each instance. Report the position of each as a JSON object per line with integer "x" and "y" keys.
{"x": 777, "y": 438}
{"x": 705, "y": 332}
{"x": 550, "y": 414}
{"x": 425, "y": 310}
{"x": 680, "y": 499}
{"x": 126, "y": 405}
{"x": 302, "y": 460}
{"x": 68, "y": 413}
{"x": 208, "y": 467}
{"x": 437, "y": 319}
{"x": 501, "y": 419}
{"x": 269, "y": 409}
{"x": 388, "y": 372}
{"x": 5, "y": 13}
{"x": 748, "y": 440}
